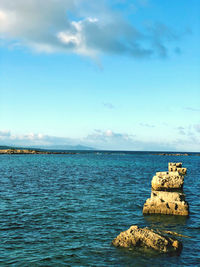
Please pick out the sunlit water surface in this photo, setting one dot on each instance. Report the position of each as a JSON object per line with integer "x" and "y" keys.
{"x": 64, "y": 210}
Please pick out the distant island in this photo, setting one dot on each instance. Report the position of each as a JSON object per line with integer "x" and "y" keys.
{"x": 80, "y": 149}
{"x": 171, "y": 154}
{"x": 45, "y": 150}
{"x": 30, "y": 151}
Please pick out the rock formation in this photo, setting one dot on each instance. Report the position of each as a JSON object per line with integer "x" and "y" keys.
{"x": 166, "y": 197}
{"x": 166, "y": 203}
{"x": 172, "y": 167}
{"x": 167, "y": 181}
{"x": 144, "y": 237}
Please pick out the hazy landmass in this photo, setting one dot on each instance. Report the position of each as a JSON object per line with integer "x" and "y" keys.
{"x": 43, "y": 150}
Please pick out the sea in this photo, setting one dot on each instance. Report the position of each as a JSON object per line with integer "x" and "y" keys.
{"x": 65, "y": 209}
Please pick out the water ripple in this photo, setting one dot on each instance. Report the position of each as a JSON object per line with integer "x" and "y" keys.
{"x": 64, "y": 210}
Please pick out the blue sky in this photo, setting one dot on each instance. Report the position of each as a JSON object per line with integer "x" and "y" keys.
{"x": 107, "y": 74}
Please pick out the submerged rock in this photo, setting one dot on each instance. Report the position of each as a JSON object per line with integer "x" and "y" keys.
{"x": 144, "y": 237}
{"x": 167, "y": 181}
{"x": 162, "y": 202}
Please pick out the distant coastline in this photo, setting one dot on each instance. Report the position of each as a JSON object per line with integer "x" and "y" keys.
{"x": 172, "y": 154}
{"x": 28, "y": 151}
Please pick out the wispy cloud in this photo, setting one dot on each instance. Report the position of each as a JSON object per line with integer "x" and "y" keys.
{"x": 108, "y": 135}
{"x": 159, "y": 34}
{"x": 108, "y": 105}
{"x": 122, "y": 141}
{"x": 197, "y": 127}
{"x": 181, "y": 130}
{"x": 147, "y": 125}
{"x": 189, "y": 130}
{"x": 5, "y": 134}
{"x": 83, "y": 27}
{"x": 192, "y": 109}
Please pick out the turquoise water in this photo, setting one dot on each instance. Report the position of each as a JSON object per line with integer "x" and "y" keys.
{"x": 64, "y": 210}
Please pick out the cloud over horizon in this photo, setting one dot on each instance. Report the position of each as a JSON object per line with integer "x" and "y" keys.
{"x": 105, "y": 140}
{"x": 82, "y": 27}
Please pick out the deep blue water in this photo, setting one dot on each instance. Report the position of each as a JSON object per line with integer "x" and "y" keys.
{"x": 64, "y": 210}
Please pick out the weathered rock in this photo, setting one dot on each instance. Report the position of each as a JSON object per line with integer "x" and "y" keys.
{"x": 167, "y": 196}
{"x": 182, "y": 171}
{"x": 17, "y": 151}
{"x": 173, "y": 167}
{"x": 175, "y": 164}
{"x": 161, "y": 202}
{"x": 144, "y": 237}
{"x": 167, "y": 181}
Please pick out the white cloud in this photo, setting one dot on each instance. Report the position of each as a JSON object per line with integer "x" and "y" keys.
{"x": 197, "y": 127}
{"x": 181, "y": 130}
{"x": 121, "y": 141}
{"x": 84, "y": 27}
{"x": 4, "y": 134}
{"x": 188, "y": 139}
{"x": 77, "y": 39}
{"x": 107, "y": 140}
{"x": 32, "y": 139}
{"x": 109, "y": 133}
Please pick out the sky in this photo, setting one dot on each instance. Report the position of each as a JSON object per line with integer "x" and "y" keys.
{"x": 109, "y": 74}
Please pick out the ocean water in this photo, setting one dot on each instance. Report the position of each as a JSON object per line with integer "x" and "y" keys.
{"x": 65, "y": 210}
